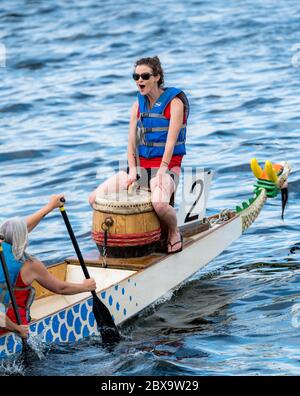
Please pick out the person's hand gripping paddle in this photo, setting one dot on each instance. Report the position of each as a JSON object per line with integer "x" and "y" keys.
{"x": 105, "y": 322}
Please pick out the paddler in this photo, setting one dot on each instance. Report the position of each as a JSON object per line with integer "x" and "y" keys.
{"x": 24, "y": 269}
{"x": 156, "y": 145}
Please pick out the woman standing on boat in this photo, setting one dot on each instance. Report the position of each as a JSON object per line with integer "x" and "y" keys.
{"x": 24, "y": 269}
{"x": 157, "y": 133}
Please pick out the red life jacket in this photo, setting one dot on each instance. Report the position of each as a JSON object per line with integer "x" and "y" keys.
{"x": 24, "y": 295}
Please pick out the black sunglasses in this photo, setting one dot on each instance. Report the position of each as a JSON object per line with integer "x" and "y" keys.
{"x": 145, "y": 76}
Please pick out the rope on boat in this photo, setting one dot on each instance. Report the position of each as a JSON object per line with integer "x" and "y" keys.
{"x": 224, "y": 215}
{"x": 134, "y": 239}
{"x": 107, "y": 223}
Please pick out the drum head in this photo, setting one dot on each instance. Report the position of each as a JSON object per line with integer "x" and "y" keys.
{"x": 124, "y": 203}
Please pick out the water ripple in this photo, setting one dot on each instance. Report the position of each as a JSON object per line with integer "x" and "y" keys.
{"x": 66, "y": 95}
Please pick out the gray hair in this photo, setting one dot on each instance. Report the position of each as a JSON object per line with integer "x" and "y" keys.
{"x": 16, "y": 234}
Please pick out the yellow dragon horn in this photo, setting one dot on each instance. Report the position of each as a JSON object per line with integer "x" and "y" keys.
{"x": 270, "y": 171}
{"x": 256, "y": 169}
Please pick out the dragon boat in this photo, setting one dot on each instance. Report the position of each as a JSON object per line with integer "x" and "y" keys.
{"x": 127, "y": 285}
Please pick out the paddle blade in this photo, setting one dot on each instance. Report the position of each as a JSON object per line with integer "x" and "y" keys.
{"x": 284, "y": 199}
{"x": 106, "y": 325}
{"x": 28, "y": 354}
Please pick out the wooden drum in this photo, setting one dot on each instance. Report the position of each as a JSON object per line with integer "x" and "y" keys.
{"x": 132, "y": 227}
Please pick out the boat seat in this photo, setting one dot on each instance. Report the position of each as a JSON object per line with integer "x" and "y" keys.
{"x": 59, "y": 271}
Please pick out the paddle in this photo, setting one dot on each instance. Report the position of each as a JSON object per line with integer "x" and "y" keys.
{"x": 26, "y": 349}
{"x": 105, "y": 322}
{"x": 284, "y": 199}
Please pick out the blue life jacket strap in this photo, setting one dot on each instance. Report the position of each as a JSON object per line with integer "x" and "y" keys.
{"x": 146, "y": 130}
{"x": 152, "y": 115}
{"x": 29, "y": 301}
{"x": 160, "y": 144}
{"x": 155, "y": 129}
{"x": 3, "y": 292}
{"x": 22, "y": 288}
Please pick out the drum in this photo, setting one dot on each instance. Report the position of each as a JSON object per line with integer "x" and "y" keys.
{"x": 125, "y": 224}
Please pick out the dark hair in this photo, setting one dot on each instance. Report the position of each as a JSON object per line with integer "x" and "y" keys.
{"x": 155, "y": 65}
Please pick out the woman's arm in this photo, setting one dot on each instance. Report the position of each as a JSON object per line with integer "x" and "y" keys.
{"x": 47, "y": 280}
{"x": 175, "y": 125}
{"x": 33, "y": 220}
{"x": 131, "y": 152}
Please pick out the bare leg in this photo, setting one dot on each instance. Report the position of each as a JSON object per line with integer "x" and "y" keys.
{"x": 115, "y": 183}
{"x": 162, "y": 187}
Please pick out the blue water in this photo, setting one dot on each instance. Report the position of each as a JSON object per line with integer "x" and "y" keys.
{"x": 65, "y": 98}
